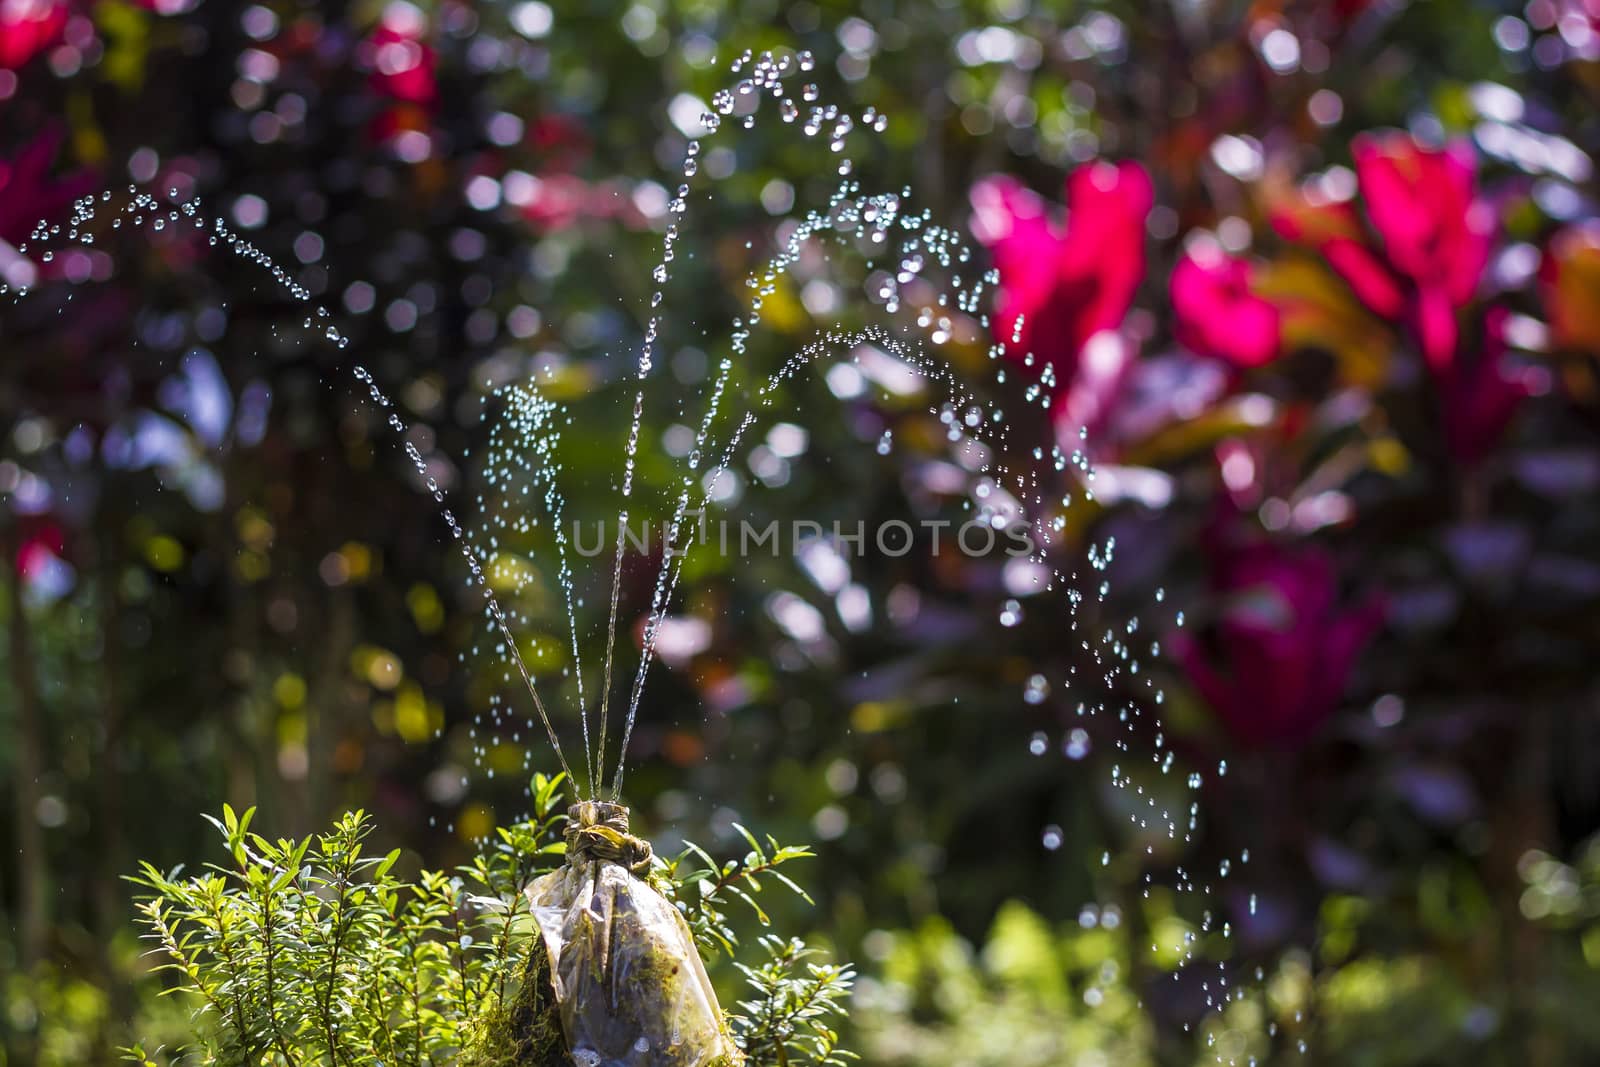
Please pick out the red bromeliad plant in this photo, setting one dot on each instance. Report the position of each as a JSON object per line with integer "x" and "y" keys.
{"x": 1419, "y": 254}
{"x": 1275, "y": 663}
{"x": 27, "y": 28}
{"x": 1216, "y": 311}
{"x": 1409, "y": 236}
{"x": 404, "y": 72}
{"x": 1066, "y": 286}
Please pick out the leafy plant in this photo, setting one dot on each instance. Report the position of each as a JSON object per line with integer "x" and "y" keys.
{"x": 718, "y": 884}
{"x": 313, "y": 952}
{"x": 787, "y": 1021}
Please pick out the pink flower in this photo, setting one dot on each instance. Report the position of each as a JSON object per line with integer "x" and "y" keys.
{"x": 554, "y": 201}
{"x": 1216, "y": 313}
{"x": 44, "y": 543}
{"x": 27, "y": 191}
{"x": 1433, "y": 235}
{"x": 1066, "y": 282}
{"x": 1419, "y": 261}
{"x": 1478, "y": 397}
{"x": 1436, "y": 232}
{"x": 28, "y": 27}
{"x": 403, "y": 64}
{"x": 403, "y": 72}
{"x": 1274, "y": 665}
{"x": 168, "y": 7}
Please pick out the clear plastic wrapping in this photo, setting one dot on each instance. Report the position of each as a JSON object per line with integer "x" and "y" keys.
{"x": 629, "y": 985}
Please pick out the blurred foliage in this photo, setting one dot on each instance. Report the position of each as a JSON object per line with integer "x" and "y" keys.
{"x": 1032, "y": 996}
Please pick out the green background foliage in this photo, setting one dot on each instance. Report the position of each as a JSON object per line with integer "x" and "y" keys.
{"x": 272, "y": 616}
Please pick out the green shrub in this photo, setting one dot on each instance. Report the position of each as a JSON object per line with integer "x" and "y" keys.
{"x": 311, "y": 952}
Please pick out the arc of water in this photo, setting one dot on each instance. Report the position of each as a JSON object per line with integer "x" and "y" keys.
{"x": 142, "y": 206}
{"x": 1109, "y": 652}
{"x": 557, "y": 506}
{"x": 768, "y": 75}
{"x": 527, "y": 680}
{"x": 534, "y": 419}
{"x": 249, "y": 251}
{"x": 645, "y": 363}
{"x": 616, "y": 568}
{"x": 668, "y": 578}
{"x": 672, "y": 567}
{"x": 596, "y": 787}
{"x": 884, "y": 211}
